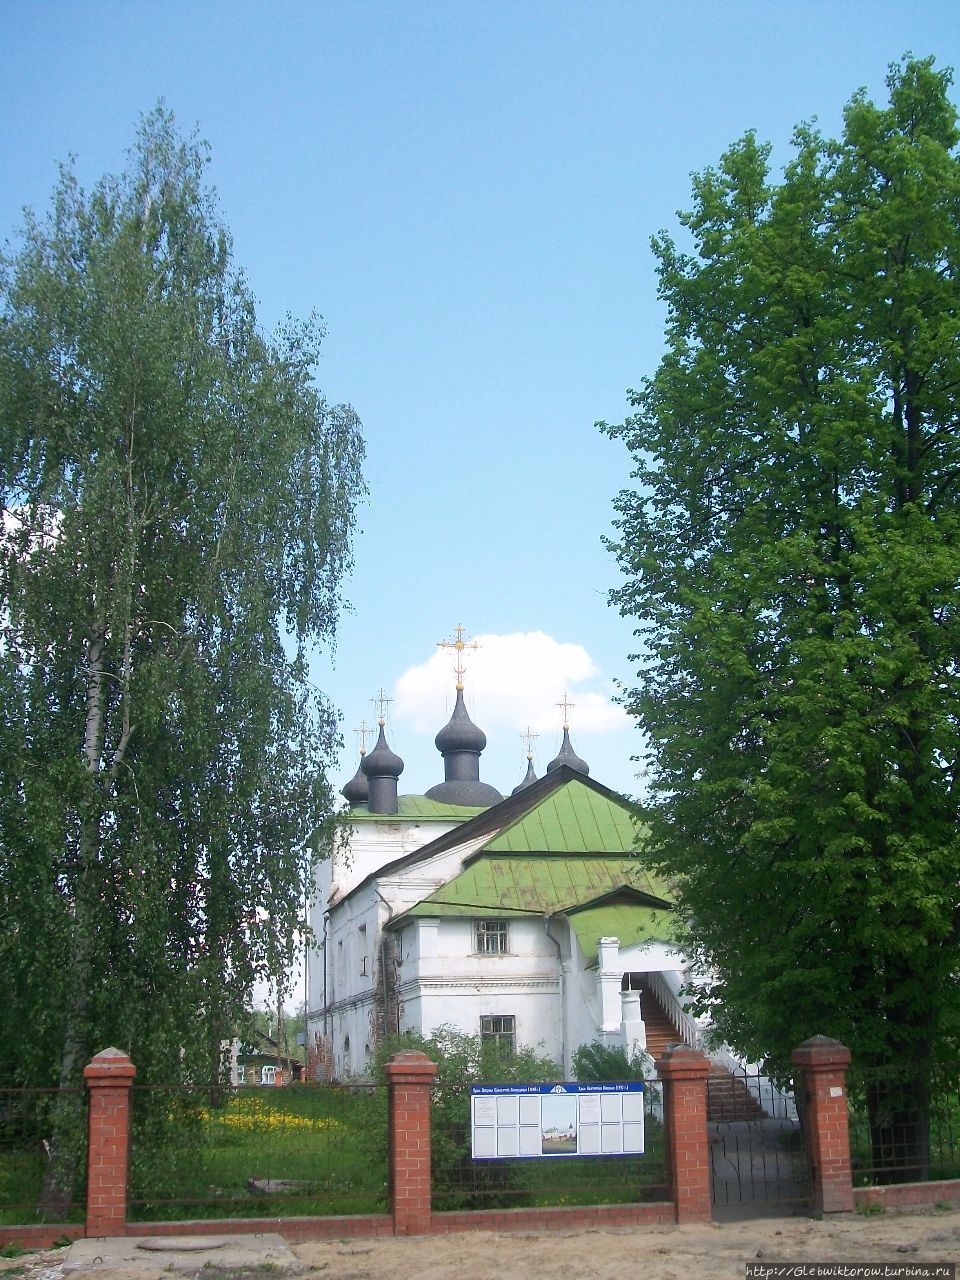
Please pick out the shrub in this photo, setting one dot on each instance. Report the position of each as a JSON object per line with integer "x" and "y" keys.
{"x": 463, "y": 1060}
{"x": 597, "y": 1062}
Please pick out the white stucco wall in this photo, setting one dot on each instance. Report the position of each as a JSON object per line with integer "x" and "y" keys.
{"x": 444, "y": 980}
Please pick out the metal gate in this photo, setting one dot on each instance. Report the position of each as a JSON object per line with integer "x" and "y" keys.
{"x": 757, "y": 1159}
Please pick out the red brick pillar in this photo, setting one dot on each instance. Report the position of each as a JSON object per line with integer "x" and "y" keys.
{"x": 109, "y": 1077}
{"x": 822, "y": 1065}
{"x": 410, "y": 1077}
{"x": 684, "y": 1074}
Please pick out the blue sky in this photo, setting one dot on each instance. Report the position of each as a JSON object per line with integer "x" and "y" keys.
{"x": 465, "y": 192}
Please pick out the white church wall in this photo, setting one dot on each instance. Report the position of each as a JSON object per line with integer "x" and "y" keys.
{"x": 584, "y": 1017}
{"x": 652, "y": 957}
{"x": 446, "y": 981}
{"x": 366, "y": 847}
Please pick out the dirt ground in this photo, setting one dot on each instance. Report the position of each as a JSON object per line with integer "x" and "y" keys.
{"x": 719, "y": 1252}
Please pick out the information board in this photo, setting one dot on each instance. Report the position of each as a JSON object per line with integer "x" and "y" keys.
{"x": 533, "y": 1121}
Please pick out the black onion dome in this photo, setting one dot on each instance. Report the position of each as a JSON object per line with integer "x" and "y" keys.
{"x": 568, "y": 756}
{"x": 460, "y": 743}
{"x": 470, "y": 792}
{"x": 381, "y": 762}
{"x": 357, "y": 790}
{"x": 530, "y": 777}
{"x": 460, "y": 733}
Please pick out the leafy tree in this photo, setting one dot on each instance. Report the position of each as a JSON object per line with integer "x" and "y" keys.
{"x": 792, "y": 554}
{"x": 178, "y": 502}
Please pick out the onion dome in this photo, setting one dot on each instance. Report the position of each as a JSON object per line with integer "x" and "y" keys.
{"x": 460, "y": 743}
{"x": 460, "y": 733}
{"x": 357, "y": 790}
{"x": 381, "y": 762}
{"x": 382, "y": 767}
{"x": 566, "y": 755}
{"x": 528, "y": 778}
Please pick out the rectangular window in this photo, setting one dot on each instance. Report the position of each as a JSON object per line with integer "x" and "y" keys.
{"x": 492, "y": 937}
{"x": 501, "y": 1030}
{"x": 363, "y": 949}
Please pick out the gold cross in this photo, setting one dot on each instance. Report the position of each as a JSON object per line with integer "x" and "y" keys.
{"x": 567, "y": 706}
{"x": 381, "y": 702}
{"x": 528, "y": 740}
{"x": 362, "y": 731}
{"x": 457, "y": 644}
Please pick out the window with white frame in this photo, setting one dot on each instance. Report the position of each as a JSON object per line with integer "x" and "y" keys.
{"x": 501, "y": 1030}
{"x": 492, "y": 937}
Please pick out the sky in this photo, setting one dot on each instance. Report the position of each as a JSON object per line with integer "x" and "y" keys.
{"x": 466, "y": 192}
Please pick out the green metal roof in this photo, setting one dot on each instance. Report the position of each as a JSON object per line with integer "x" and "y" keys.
{"x": 414, "y": 807}
{"x": 574, "y": 819}
{"x": 543, "y": 885}
{"x": 628, "y": 921}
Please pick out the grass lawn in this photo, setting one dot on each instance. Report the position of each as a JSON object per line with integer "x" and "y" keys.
{"x": 21, "y": 1178}
{"x": 324, "y": 1146}
{"x": 312, "y": 1150}
{"x": 26, "y": 1120}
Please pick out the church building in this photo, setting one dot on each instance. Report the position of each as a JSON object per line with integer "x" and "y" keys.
{"x": 527, "y": 919}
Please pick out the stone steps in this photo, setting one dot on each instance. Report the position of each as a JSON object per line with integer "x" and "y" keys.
{"x": 728, "y": 1097}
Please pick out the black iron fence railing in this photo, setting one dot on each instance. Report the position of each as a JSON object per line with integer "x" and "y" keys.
{"x": 904, "y": 1123}
{"x": 757, "y": 1156}
{"x": 310, "y": 1149}
{"x": 43, "y": 1155}
{"x": 460, "y": 1182}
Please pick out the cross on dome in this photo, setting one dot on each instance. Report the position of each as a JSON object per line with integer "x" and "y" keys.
{"x": 362, "y": 731}
{"x": 458, "y": 645}
{"x": 381, "y": 702}
{"x": 567, "y": 707}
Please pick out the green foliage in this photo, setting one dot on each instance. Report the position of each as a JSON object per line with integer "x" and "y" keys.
{"x": 326, "y": 1143}
{"x": 178, "y": 505}
{"x": 792, "y": 553}
{"x": 598, "y": 1062}
{"x": 463, "y": 1060}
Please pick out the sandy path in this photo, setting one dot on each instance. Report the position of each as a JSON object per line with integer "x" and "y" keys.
{"x": 650, "y": 1253}
{"x": 717, "y": 1252}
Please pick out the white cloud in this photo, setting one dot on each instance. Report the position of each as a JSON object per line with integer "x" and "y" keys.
{"x": 511, "y": 681}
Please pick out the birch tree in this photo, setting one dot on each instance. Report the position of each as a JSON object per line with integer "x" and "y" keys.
{"x": 178, "y": 503}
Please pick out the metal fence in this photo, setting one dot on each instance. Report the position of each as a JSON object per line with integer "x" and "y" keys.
{"x": 306, "y": 1149}
{"x": 904, "y": 1124}
{"x": 758, "y": 1163}
{"x": 43, "y": 1155}
{"x": 460, "y": 1182}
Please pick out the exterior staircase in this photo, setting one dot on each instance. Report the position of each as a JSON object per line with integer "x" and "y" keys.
{"x": 660, "y": 1030}
{"x": 728, "y": 1097}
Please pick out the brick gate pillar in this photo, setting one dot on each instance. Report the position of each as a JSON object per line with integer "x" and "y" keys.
{"x": 109, "y": 1078}
{"x": 410, "y": 1077}
{"x": 822, "y": 1065}
{"x": 684, "y": 1074}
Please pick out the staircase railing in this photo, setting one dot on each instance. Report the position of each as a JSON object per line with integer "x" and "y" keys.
{"x": 687, "y": 1027}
